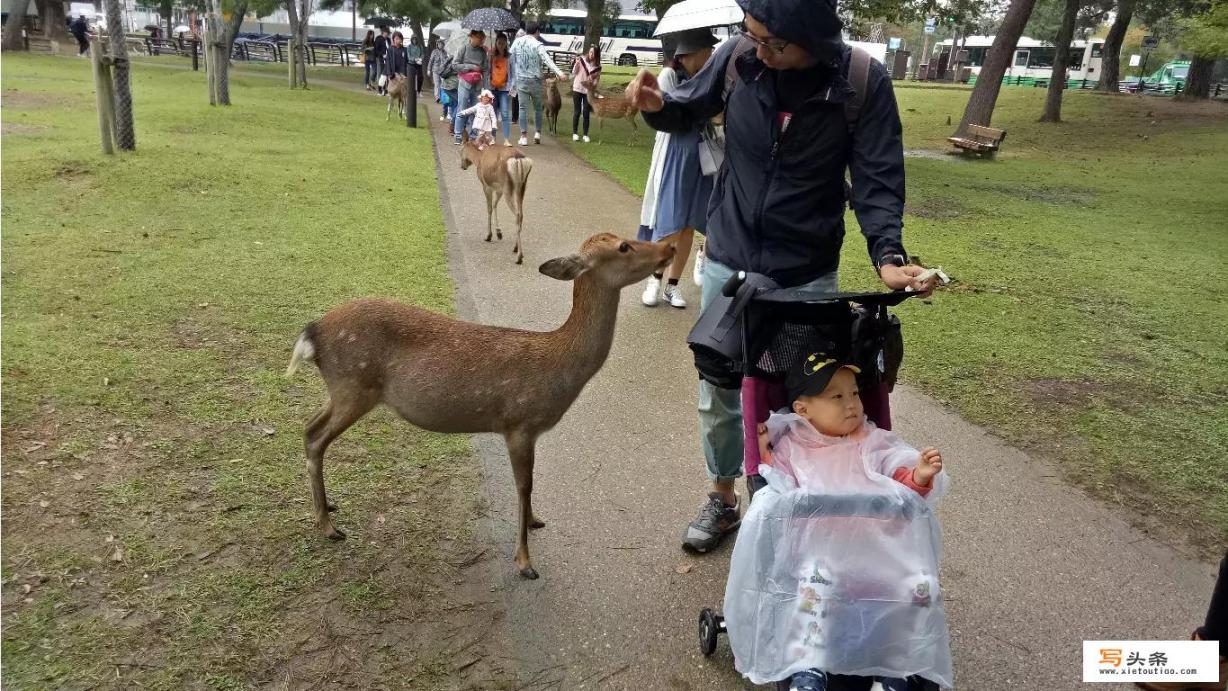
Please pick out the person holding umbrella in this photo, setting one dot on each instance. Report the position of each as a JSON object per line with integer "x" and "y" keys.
{"x": 472, "y": 66}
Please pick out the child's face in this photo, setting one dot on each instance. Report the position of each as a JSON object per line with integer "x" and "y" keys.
{"x": 487, "y": 100}
{"x": 837, "y": 411}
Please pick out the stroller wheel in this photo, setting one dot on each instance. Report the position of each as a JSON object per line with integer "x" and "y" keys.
{"x": 709, "y": 627}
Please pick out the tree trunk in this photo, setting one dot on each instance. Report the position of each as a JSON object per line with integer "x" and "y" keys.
{"x": 1198, "y": 83}
{"x": 594, "y": 23}
{"x": 1110, "y": 62}
{"x": 979, "y": 110}
{"x": 12, "y": 28}
{"x": 297, "y": 47}
{"x": 55, "y": 22}
{"x": 1057, "y": 79}
{"x": 303, "y": 14}
{"x": 125, "y": 133}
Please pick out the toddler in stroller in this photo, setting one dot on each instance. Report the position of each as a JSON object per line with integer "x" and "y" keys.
{"x": 835, "y": 570}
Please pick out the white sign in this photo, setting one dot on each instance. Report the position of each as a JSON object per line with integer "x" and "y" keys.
{"x": 1153, "y": 661}
{"x": 893, "y": 44}
{"x": 1135, "y": 60}
{"x": 930, "y": 22}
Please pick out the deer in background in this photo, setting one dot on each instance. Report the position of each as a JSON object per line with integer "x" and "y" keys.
{"x": 397, "y": 88}
{"x": 613, "y": 107}
{"x": 456, "y": 377}
{"x": 554, "y": 103}
{"x": 504, "y": 173}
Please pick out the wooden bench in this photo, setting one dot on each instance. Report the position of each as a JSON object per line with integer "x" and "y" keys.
{"x": 980, "y": 140}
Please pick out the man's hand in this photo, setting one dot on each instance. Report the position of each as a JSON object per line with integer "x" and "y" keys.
{"x": 645, "y": 93}
{"x": 928, "y": 466}
{"x": 765, "y": 449}
{"x": 901, "y": 277}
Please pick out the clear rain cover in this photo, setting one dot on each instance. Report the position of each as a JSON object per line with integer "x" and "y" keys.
{"x": 836, "y": 564}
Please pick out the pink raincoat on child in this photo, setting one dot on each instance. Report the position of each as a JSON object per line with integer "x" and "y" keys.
{"x": 836, "y": 562}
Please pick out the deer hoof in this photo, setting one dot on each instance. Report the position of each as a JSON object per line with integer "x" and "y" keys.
{"x": 487, "y": 238}
{"x": 536, "y": 523}
{"x": 330, "y": 506}
{"x": 334, "y": 533}
{"x": 499, "y": 234}
{"x": 529, "y": 573}
{"x": 520, "y": 259}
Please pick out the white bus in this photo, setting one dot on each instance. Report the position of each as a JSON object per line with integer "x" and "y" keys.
{"x": 625, "y": 41}
{"x": 1034, "y": 59}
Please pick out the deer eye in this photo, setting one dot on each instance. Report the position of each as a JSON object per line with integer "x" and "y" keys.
{"x": 624, "y": 247}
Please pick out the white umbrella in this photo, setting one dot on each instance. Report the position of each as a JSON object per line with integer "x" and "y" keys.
{"x": 699, "y": 14}
{"x": 445, "y": 30}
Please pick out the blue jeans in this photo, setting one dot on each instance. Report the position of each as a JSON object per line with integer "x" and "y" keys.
{"x": 369, "y": 73}
{"x": 449, "y": 109}
{"x": 503, "y": 100}
{"x": 529, "y": 90}
{"x": 466, "y": 96}
{"x": 720, "y": 410}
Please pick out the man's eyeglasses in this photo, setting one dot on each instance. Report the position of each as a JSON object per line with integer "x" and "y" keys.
{"x": 775, "y": 45}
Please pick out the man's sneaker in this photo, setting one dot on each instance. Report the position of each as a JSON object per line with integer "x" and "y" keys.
{"x": 537, "y": 137}
{"x": 586, "y": 139}
{"x": 716, "y": 520}
{"x": 673, "y": 295}
{"x": 652, "y": 292}
{"x": 522, "y": 141}
{"x": 809, "y": 680}
{"x": 575, "y": 137}
{"x": 456, "y": 140}
{"x": 442, "y": 118}
{"x": 697, "y": 276}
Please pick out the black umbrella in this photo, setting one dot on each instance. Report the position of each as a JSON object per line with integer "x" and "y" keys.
{"x": 381, "y": 22}
{"x": 490, "y": 20}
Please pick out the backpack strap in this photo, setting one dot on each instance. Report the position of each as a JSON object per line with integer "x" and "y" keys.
{"x": 731, "y": 67}
{"x": 859, "y": 79}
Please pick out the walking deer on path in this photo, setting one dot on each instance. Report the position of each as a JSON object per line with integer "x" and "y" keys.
{"x": 504, "y": 173}
{"x": 456, "y": 377}
{"x": 398, "y": 87}
{"x": 554, "y": 103}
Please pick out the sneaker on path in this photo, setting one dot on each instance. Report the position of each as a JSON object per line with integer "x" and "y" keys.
{"x": 522, "y": 141}
{"x": 652, "y": 292}
{"x": 537, "y": 137}
{"x": 697, "y": 276}
{"x": 586, "y": 139}
{"x": 809, "y": 680}
{"x": 575, "y": 137}
{"x": 456, "y": 140}
{"x": 716, "y": 520}
{"x": 673, "y": 295}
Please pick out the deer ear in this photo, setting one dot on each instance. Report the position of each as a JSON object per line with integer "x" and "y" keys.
{"x": 567, "y": 268}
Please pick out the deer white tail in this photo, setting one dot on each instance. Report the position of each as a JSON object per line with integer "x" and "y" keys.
{"x": 519, "y": 169}
{"x": 304, "y": 351}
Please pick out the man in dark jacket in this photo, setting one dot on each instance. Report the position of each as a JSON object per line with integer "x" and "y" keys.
{"x": 80, "y": 30}
{"x": 396, "y": 61}
{"x": 382, "y": 42}
{"x": 779, "y": 199}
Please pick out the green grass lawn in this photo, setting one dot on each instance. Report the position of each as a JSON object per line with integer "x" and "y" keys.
{"x": 1087, "y": 319}
{"x": 156, "y": 519}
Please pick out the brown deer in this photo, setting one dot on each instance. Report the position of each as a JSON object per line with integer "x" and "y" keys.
{"x": 504, "y": 173}
{"x": 554, "y": 103}
{"x": 398, "y": 86}
{"x": 456, "y": 377}
{"x": 613, "y": 107}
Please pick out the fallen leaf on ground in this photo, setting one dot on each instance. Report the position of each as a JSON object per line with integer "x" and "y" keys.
{"x": 683, "y": 568}
{"x": 44, "y": 503}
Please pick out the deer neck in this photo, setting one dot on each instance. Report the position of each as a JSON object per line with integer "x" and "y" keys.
{"x": 586, "y": 336}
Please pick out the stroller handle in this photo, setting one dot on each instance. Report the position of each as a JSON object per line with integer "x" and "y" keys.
{"x": 730, "y": 289}
{"x": 855, "y": 506}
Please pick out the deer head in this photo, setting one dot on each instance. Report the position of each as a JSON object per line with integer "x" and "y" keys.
{"x": 611, "y": 261}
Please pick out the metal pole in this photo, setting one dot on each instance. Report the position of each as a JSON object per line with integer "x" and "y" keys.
{"x": 195, "y": 55}
{"x": 411, "y": 97}
{"x": 102, "y": 93}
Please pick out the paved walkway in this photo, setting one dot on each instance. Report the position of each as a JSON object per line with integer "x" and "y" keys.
{"x": 1031, "y": 567}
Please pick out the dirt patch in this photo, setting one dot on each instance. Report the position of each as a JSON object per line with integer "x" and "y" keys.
{"x": 30, "y": 100}
{"x": 935, "y": 155}
{"x": 937, "y": 208}
{"x": 8, "y": 128}
{"x": 73, "y": 171}
{"x": 1064, "y": 391}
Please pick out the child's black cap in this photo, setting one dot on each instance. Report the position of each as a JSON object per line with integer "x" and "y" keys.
{"x": 811, "y": 374}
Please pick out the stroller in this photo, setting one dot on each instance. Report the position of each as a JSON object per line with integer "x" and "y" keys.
{"x": 752, "y": 342}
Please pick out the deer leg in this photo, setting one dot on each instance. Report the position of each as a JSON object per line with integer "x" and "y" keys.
{"x": 489, "y": 206}
{"x": 515, "y": 202}
{"x": 635, "y": 130}
{"x": 388, "y": 115}
{"x": 520, "y": 451}
{"x": 498, "y": 194}
{"x": 336, "y": 417}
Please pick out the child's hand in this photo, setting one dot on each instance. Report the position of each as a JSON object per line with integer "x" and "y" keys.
{"x": 929, "y": 466}
{"x": 765, "y": 449}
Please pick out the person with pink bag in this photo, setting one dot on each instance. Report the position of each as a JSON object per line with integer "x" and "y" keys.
{"x": 472, "y": 66}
